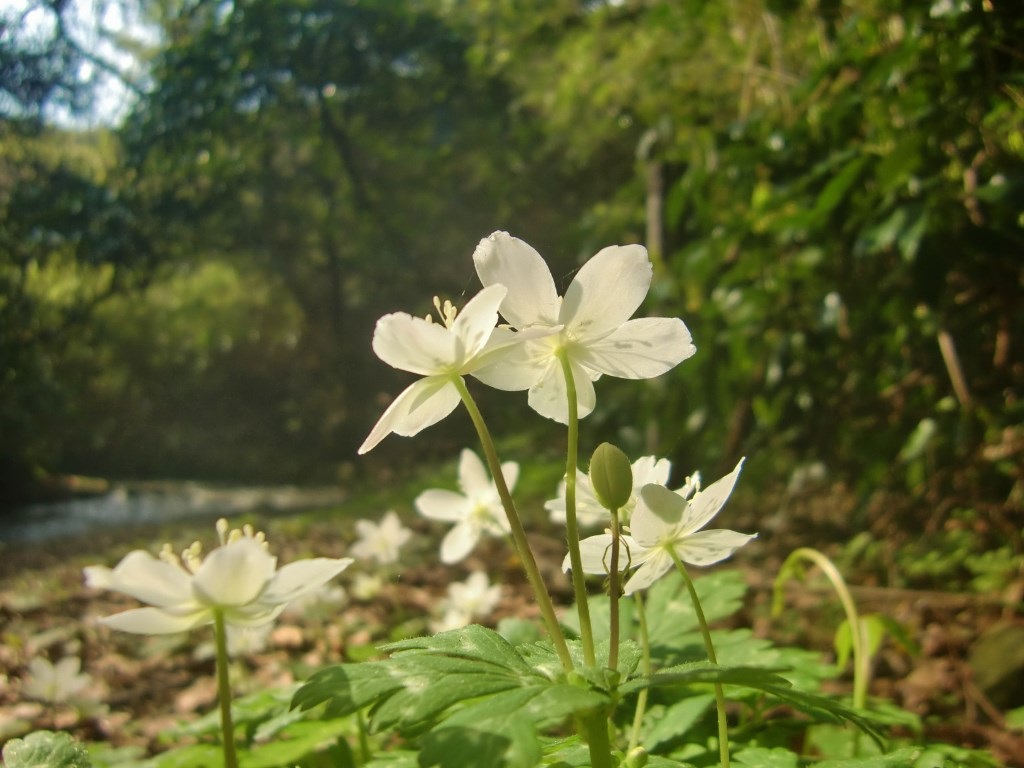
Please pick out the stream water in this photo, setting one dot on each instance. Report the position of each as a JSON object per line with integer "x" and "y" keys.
{"x": 135, "y": 504}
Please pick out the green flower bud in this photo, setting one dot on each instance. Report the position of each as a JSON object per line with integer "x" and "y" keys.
{"x": 611, "y": 476}
{"x": 637, "y": 758}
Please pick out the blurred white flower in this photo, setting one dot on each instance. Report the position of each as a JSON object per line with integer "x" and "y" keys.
{"x": 666, "y": 522}
{"x": 55, "y": 683}
{"x": 381, "y": 542}
{"x": 238, "y": 579}
{"x": 476, "y": 511}
{"x": 589, "y": 512}
{"x": 467, "y": 601}
{"x": 366, "y": 586}
{"x": 590, "y": 325}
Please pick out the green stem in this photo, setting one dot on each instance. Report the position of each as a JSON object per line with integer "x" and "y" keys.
{"x": 861, "y": 662}
{"x": 645, "y": 668}
{"x": 723, "y": 723}
{"x": 227, "y": 728}
{"x": 522, "y": 545}
{"x": 613, "y": 596}
{"x": 572, "y": 531}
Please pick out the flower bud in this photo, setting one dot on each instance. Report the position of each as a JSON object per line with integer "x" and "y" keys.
{"x": 611, "y": 476}
{"x": 637, "y": 758}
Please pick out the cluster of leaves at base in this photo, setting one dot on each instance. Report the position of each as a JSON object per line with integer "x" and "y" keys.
{"x": 470, "y": 697}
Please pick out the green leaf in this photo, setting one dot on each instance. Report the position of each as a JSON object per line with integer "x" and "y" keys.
{"x": 760, "y": 757}
{"x": 677, "y": 719}
{"x": 670, "y": 612}
{"x": 299, "y": 740}
{"x": 45, "y": 749}
{"x": 472, "y": 642}
{"x": 349, "y": 687}
{"x": 501, "y": 741}
{"x": 767, "y": 681}
{"x": 189, "y": 757}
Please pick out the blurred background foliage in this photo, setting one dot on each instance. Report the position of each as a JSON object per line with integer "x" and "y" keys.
{"x": 832, "y": 193}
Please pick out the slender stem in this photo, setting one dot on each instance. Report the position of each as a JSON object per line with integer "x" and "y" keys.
{"x": 613, "y": 596}
{"x": 364, "y": 742}
{"x": 227, "y": 728}
{"x": 645, "y": 668}
{"x": 723, "y": 723}
{"x": 522, "y": 545}
{"x": 861, "y": 662}
{"x": 572, "y": 531}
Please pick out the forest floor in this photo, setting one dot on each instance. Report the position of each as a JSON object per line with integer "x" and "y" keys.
{"x": 140, "y": 687}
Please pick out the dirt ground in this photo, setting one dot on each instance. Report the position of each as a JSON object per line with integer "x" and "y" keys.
{"x": 138, "y": 686}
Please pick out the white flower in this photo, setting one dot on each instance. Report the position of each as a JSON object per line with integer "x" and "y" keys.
{"x": 55, "y": 683}
{"x": 380, "y": 542}
{"x": 664, "y": 522}
{"x": 589, "y": 512}
{"x": 476, "y": 511}
{"x": 471, "y": 599}
{"x": 239, "y": 578}
{"x": 366, "y": 586}
{"x": 439, "y": 353}
{"x": 594, "y": 331}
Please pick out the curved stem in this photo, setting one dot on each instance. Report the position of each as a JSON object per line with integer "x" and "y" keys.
{"x": 227, "y": 728}
{"x": 723, "y": 723}
{"x": 861, "y": 663}
{"x": 572, "y": 531}
{"x": 522, "y": 545}
{"x": 645, "y": 668}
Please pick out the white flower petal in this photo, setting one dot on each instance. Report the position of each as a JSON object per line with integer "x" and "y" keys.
{"x": 532, "y": 296}
{"x": 509, "y": 471}
{"x": 302, "y": 577}
{"x": 706, "y": 504}
{"x": 513, "y": 366}
{"x": 473, "y": 476}
{"x": 234, "y": 574}
{"x": 440, "y": 504}
{"x": 639, "y": 349}
{"x": 708, "y": 547}
{"x": 595, "y": 554}
{"x": 154, "y": 621}
{"x": 658, "y": 511}
{"x": 549, "y": 396}
{"x": 459, "y": 542}
{"x": 415, "y": 345}
{"x": 606, "y": 291}
{"x": 650, "y": 469}
{"x": 144, "y": 577}
{"x": 421, "y": 404}
{"x": 657, "y": 565}
{"x": 477, "y": 320}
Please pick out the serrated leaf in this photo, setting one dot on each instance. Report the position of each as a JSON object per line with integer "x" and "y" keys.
{"x": 670, "y": 613}
{"x": 349, "y": 687}
{"x": 677, "y": 719}
{"x": 766, "y": 681}
{"x": 472, "y": 642}
{"x": 45, "y": 749}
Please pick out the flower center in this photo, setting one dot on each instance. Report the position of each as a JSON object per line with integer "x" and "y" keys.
{"x": 446, "y": 311}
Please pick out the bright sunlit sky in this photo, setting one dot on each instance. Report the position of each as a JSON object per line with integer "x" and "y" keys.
{"x": 107, "y": 30}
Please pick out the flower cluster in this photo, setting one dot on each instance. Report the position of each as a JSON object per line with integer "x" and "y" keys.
{"x": 667, "y": 525}
{"x": 587, "y": 332}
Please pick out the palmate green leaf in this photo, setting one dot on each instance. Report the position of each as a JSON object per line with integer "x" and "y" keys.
{"x": 767, "y": 681}
{"x": 670, "y": 613}
{"x": 348, "y": 687}
{"x": 45, "y": 749}
{"x": 472, "y": 642}
{"x": 677, "y": 719}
